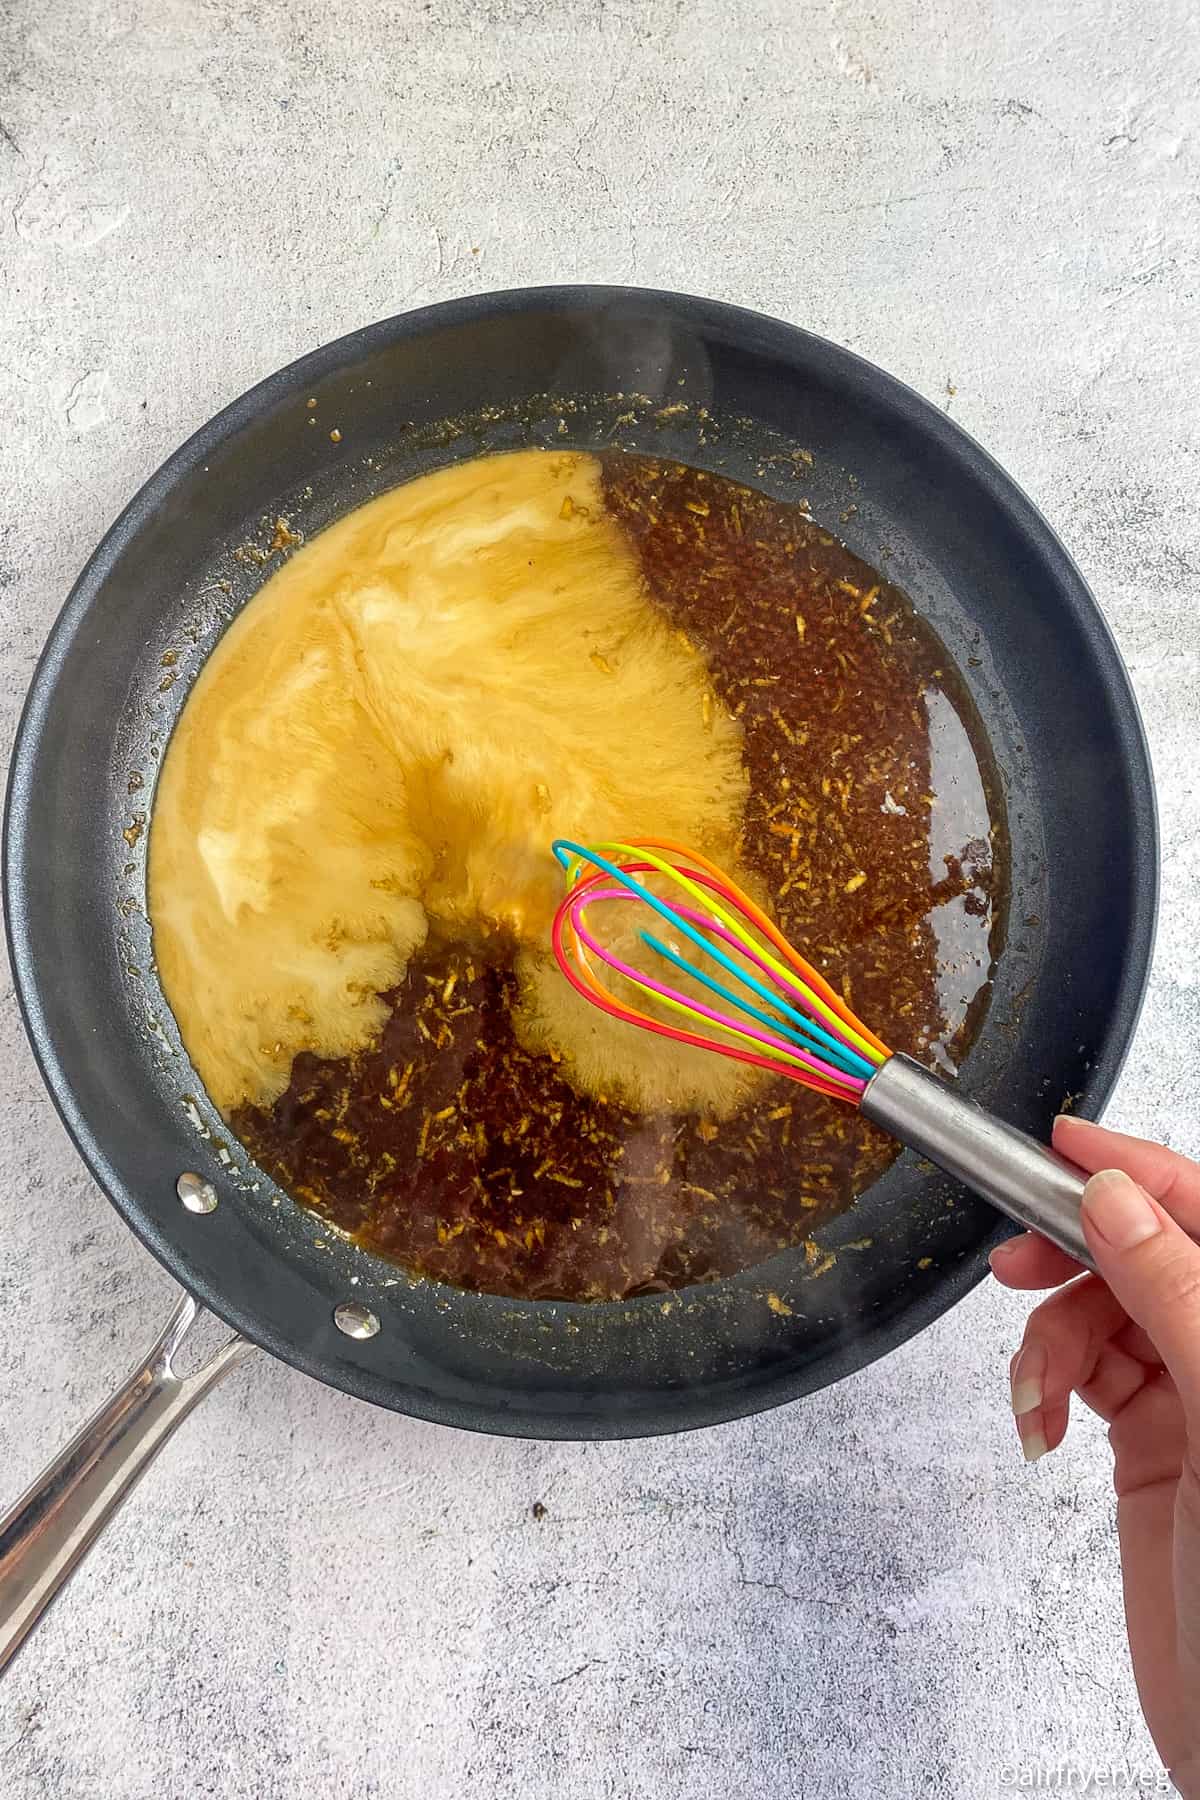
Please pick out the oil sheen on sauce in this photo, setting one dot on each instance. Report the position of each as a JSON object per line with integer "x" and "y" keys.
{"x": 350, "y": 878}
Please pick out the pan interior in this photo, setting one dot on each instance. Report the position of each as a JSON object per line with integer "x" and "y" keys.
{"x": 352, "y": 894}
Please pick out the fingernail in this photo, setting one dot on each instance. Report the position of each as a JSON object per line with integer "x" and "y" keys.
{"x": 1029, "y": 1379}
{"x": 1076, "y": 1120}
{"x": 1034, "y": 1444}
{"x": 1119, "y": 1210}
{"x": 1003, "y": 1251}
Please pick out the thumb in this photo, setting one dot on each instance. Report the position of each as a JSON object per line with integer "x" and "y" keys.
{"x": 1153, "y": 1268}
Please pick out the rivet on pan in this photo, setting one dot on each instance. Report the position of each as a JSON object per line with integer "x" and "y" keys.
{"x": 355, "y": 1319}
{"x": 198, "y": 1195}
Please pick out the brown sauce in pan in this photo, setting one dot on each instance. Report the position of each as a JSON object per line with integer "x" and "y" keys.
{"x": 457, "y": 1142}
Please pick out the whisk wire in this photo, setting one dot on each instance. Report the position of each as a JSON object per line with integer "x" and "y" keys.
{"x": 815, "y": 990}
{"x": 811, "y": 1035}
{"x": 689, "y": 1008}
{"x": 821, "y": 1040}
{"x": 666, "y": 995}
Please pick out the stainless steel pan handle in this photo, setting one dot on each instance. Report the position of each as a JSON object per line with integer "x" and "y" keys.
{"x": 49, "y": 1531}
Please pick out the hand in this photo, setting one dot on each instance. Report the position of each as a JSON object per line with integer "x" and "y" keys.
{"x": 1127, "y": 1341}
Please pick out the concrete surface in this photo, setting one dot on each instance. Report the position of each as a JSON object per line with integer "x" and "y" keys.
{"x": 868, "y": 1594}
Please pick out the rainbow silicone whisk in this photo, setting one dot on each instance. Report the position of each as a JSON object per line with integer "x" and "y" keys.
{"x": 721, "y": 976}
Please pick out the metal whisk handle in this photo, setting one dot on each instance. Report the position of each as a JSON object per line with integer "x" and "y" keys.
{"x": 1025, "y": 1179}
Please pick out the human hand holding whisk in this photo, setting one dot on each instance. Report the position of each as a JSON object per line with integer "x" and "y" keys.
{"x": 1126, "y": 1339}
{"x": 1112, "y": 1220}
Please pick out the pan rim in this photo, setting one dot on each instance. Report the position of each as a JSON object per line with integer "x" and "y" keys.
{"x": 739, "y": 325}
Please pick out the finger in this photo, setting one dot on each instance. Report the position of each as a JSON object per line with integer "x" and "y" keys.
{"x": 1030, "y": 1261}
{"x": 1138, "y": 1343}
{"x": 1116, "y": 1379}
{"x": 1148, "y": 1438}
{"x": 1063, "y": 1337}
{"x": 1029, "y": 1417}
{"x": 1070, "y": 1345}
{"x": 1048, "y": 1428}
{"x": 1153, "y": 1270}
{"x": 1171, "y": 1179}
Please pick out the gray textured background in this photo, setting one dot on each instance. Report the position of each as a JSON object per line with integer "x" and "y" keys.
{"x": 867, "y": 1594}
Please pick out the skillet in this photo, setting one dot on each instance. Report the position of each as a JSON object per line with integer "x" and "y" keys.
{"x": 708, "y": 384}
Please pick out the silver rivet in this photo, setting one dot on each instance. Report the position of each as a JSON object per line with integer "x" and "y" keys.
{"x": 355, "y": 1319}
{"x": 198, "y": 1195}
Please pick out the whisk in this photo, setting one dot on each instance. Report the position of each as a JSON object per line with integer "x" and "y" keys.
{"x": 774, "y": 1010}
